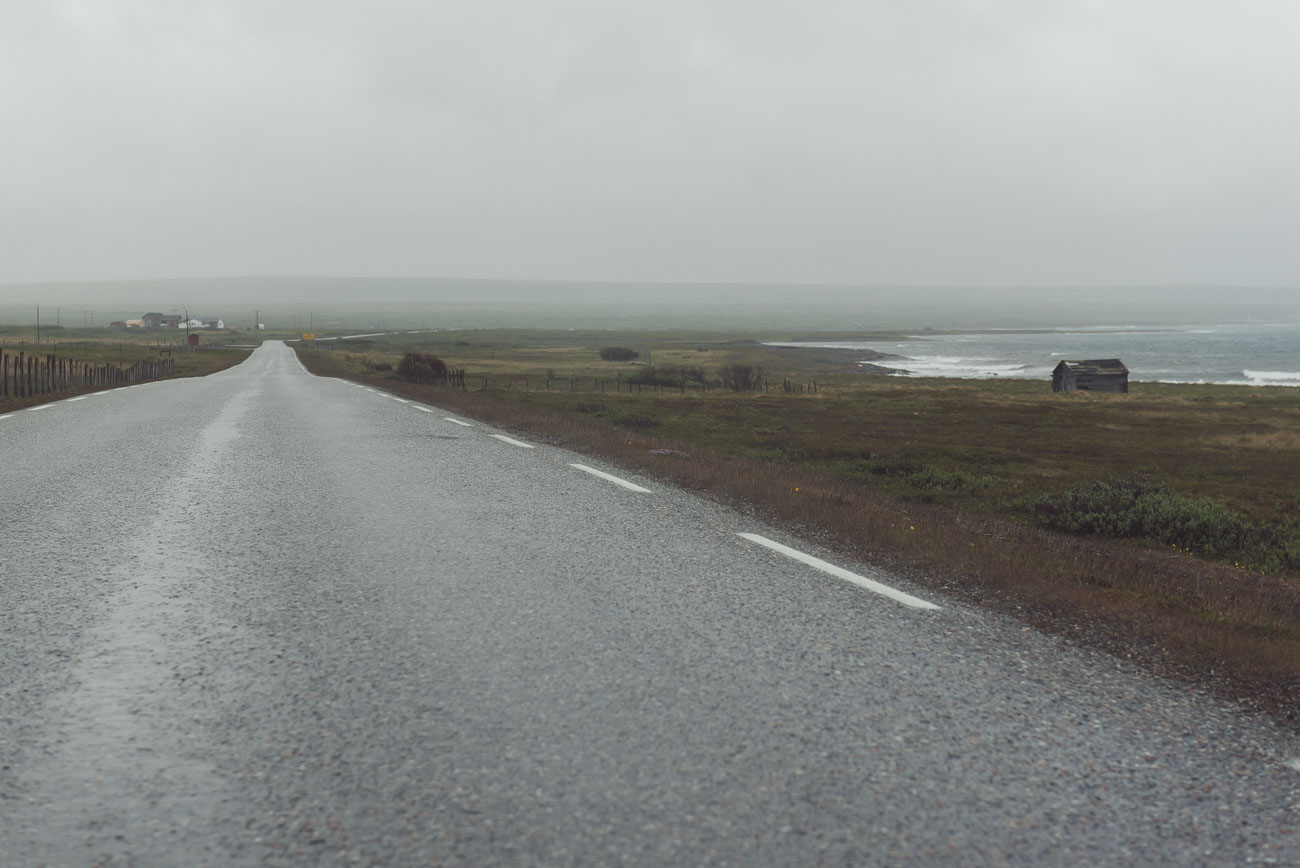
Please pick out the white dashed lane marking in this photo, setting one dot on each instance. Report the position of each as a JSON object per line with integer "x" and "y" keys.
{"x": 512, "y": 441}
{"x": 609, "y": 477}
{"x": 458, "y": 422}
{"x": 841, "y": 573}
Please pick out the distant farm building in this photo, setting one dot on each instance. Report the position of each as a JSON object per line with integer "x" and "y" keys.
{"x": 1090, "y": 375}
{"x": 212, "y": 322}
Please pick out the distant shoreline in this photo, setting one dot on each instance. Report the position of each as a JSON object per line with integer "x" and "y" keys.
{"x": 1225, "y": 354}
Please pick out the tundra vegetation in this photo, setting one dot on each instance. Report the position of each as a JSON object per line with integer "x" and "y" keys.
{"x": 118, "y": 347}
{"x": 1161, "y": 524}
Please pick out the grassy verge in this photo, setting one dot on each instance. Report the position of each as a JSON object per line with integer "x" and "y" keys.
{"x": 945, "y": 480}
{"x": 122, "y": 353}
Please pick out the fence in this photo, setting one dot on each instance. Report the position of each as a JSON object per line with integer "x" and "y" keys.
{"x": 23, "y": 375}
{"x": 453, "y": 378}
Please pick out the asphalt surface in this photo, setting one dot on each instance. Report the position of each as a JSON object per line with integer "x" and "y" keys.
{"x": 265, "y": 618}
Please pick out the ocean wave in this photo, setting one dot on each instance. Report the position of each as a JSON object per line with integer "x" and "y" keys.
{"x": 1193, "y": 353}
{"x": 967, "y": 368}
{"x": 1280, "y": 377}
{"x": 1183, "y": 381}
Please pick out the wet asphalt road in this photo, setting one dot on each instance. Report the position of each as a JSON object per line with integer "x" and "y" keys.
{"x": 265, "y": 618}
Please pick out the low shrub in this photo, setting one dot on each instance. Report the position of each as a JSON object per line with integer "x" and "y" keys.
{"x": 929, "y": 476}
{"x": 893, "y": 467}
{"x": 674, "y": 376}
{"x": 741, "y": 378}
{"x": 1142, "y": 509}
{"x": 422, "y": 368}
{"x": 636, "y": 420}
{"x": 619, "y": 354}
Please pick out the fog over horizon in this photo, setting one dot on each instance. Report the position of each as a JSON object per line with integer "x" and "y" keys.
{"x": 367, "y": 304}
{"x": 1045, "y": 145}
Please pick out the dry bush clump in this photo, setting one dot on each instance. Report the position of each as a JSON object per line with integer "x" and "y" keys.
{"x": 421, "y": 368}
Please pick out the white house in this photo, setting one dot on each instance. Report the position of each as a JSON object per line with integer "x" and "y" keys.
{"x": 213, "y": 322}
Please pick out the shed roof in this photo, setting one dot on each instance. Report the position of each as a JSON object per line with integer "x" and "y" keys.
{"x": 1091, "y": 366}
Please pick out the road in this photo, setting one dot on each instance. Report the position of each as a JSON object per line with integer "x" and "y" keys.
{"x": 266, "y": 618}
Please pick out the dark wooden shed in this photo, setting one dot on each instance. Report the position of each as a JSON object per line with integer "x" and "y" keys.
{"x": 1092, "y": 375}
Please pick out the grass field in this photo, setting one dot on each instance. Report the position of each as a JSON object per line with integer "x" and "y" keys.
{"x": 983, "y": 445}
{"x": 958, "y": 481}
{"x": 112, "y": 347}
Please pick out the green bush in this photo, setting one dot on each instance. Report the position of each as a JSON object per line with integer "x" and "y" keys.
{"x": 618, "y": 354}
{"x": 930, "y": 476}
{"x": 1142, "y": 509}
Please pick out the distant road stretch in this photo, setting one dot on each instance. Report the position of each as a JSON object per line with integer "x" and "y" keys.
{"x": 265, "y": 618}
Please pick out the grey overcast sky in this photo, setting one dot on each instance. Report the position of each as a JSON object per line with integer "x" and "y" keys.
{"x": 957, "y": 142}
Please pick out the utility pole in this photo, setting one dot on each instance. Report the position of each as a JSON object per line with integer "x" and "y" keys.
{"x": 38, "y": 324}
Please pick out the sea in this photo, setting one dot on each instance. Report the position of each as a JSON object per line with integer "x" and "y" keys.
{"x": 1252, "y": 355}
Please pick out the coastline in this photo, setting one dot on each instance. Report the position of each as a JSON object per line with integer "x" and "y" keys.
{"x": 1229, "y": 355}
